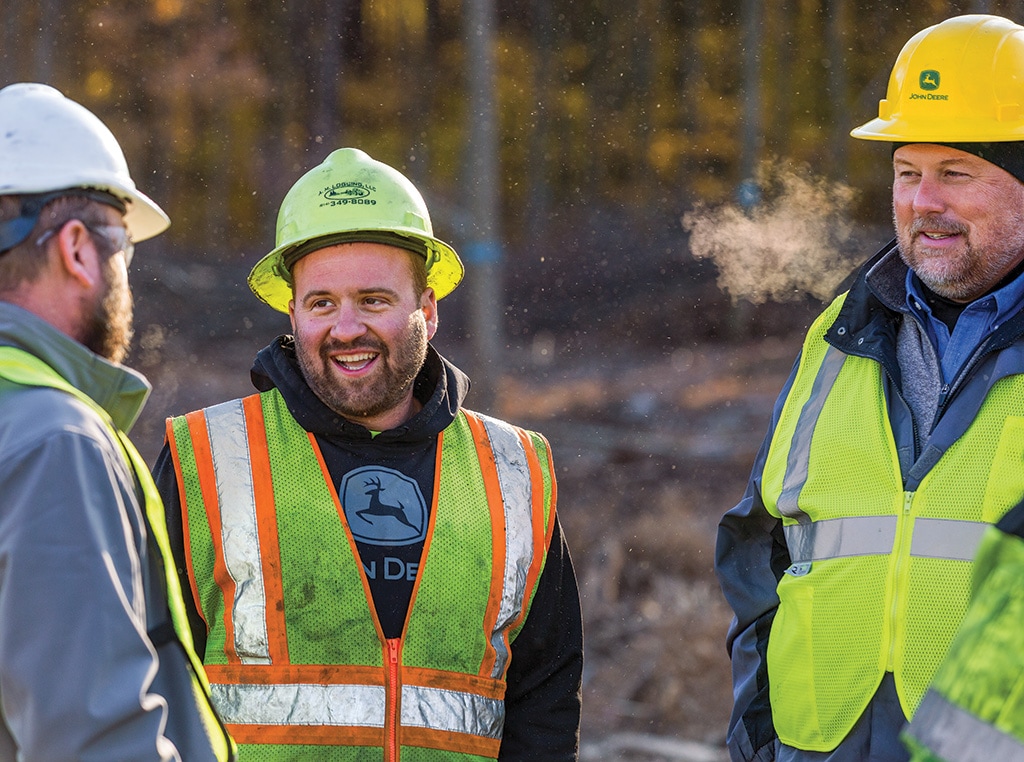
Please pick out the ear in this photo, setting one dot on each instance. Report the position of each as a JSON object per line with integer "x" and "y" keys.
{"x": 291, "y": 313}
{"x": 77, "y": 253}
{"x": 428, "y": 303}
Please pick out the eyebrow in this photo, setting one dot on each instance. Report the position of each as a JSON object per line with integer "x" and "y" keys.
{"x": 944, "y": 163}
{"x": 361, "y": 292}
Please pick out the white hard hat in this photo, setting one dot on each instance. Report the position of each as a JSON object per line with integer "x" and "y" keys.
{"x": 48, "y": 142}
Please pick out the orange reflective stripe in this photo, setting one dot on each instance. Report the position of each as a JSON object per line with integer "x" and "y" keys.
{"x": 313, "y": 735}
{"x": 461, "y": 743}
{"x": 271, "y": 674}
{"x": 495, "y": 504}
{"x": 541, "y": 529}
{"x": 266, "y": 527}
{"x": 208, "y": 486}
{"x": 487, "y": 687}
{"x": 186, "y": 535}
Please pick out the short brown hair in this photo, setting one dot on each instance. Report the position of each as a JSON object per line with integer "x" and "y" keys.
{"x": 23, "y": 263}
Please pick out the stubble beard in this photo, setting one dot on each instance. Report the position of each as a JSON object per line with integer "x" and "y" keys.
{"x": 968, "y": 273}
{"x": 359, "y": 399}
{"x": 108, "y": 330}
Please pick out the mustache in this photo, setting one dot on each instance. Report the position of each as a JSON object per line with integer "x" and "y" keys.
{"x": 936, "y": 225}
{"x": 363, "y": 345}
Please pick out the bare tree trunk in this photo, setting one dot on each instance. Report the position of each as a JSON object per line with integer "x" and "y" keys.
{"x": 751, "y": 131}
{"x": 539, "y": 197}
{"x": 327, "y": 80}
{"x": 46, "y": 43}
{"x": 837, "y": 86}
{"x": 483, "y": 248}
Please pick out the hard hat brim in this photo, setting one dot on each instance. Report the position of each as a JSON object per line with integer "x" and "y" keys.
{"x": 270, "y": 279}
{"x": 938, "y": 131}
{"x": 144, "y": 218}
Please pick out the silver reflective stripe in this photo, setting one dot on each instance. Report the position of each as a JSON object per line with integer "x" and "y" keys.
{"x": 229, "y": 445}
{"x": 875, "y": 535}
{"x": 300, "y": 704}
{"x": 439, "y": 709}
{"x": 800, "y": 446}
{"x": 837, "y": 538}
{"x": 951, "y": 733}
{"x": 516, "y": 495}
{"x": 947, "y": 538}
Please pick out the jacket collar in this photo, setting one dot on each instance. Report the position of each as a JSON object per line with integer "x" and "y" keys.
{"x": 119, "y": 390}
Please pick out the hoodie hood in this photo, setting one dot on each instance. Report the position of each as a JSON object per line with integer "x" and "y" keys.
{"x": 440, "y": 387}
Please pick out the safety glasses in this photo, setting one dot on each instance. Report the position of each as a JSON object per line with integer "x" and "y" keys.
{"x": 117, "y": 236}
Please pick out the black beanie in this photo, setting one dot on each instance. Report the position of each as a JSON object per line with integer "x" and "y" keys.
{"x": 1008, "y": 155}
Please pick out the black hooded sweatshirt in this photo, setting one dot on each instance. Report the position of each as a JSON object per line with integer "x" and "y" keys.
{"x": 542, "y": 700}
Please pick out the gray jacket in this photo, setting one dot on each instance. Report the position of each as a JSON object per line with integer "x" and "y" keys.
{"x": 81, "y": 585}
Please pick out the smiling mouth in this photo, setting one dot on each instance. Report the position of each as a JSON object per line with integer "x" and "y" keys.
{"x": 355, "y": 362}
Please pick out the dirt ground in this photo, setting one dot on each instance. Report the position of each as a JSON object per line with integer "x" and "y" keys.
{"x": 648, "y": 453}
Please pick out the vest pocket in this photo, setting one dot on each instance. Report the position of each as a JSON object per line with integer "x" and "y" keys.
{"x": 791, "y": 664}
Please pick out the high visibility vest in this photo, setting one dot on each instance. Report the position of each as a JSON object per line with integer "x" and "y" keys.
{"x": 880, "y": 576}
{"x": 299, "y": 665}
{"x": 26, "y": 369}
{"x": 975, "y": 707}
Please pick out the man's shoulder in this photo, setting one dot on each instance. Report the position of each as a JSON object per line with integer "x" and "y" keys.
{"x": 216, "y": 407}
{"x": 26, "y": 409}
{"x": 491, "y": 420}
{"x": 36, "y": 419}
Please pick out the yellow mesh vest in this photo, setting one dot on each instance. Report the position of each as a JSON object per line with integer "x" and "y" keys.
{"x": 882, "y": 578}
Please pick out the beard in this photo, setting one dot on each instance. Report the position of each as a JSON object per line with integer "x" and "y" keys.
{"x": 969, "y": 272}
{"x": 385, "y": 389}
{"x": 108, "y": 330}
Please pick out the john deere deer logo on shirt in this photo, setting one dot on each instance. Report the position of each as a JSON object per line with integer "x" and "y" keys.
{"x": 383, "y": 506}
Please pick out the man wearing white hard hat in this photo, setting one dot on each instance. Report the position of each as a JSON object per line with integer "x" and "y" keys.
{"x": 96, "y": 659}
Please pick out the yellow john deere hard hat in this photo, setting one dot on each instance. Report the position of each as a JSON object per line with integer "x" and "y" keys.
{"x": 352, "y": 198}
{"x": 960, "y": 81}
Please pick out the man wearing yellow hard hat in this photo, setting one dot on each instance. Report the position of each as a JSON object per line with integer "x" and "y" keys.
{"x": 899, "y": 437}
{"x": 377, "y": 572}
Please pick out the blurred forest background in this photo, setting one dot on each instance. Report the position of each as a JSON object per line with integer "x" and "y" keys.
{"x": 652, "y": 197}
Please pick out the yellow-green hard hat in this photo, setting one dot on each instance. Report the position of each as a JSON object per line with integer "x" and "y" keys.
{"x": 352, "y": 198}
{"x": 959, "y": 81}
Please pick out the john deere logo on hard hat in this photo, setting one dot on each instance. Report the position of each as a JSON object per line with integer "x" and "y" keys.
{"x": 347, "y": 193}
{"x": 929, "y": 80}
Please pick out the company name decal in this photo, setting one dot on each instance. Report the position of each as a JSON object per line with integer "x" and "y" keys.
{"x": 928, "y": 80}
{"x": 340, "y": 194}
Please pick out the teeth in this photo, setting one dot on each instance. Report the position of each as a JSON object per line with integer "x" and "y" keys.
{"x": 355, "y": 362}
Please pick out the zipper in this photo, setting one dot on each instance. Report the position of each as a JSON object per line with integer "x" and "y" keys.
{"x": 394, "y": 698}
{"x": 903, "y": 536}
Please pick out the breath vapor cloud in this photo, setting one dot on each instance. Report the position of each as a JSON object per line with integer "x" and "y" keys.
{"x": 793, "y": 242}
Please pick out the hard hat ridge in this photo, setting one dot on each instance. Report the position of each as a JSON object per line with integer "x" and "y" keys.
{"x": 49, "y": 143}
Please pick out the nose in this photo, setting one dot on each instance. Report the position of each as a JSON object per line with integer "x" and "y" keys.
{"x": 348, "y": 324}
{"x": 929, "y": 197}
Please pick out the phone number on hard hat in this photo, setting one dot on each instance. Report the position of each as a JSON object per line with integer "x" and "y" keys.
{"x": 343, "y": 201}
